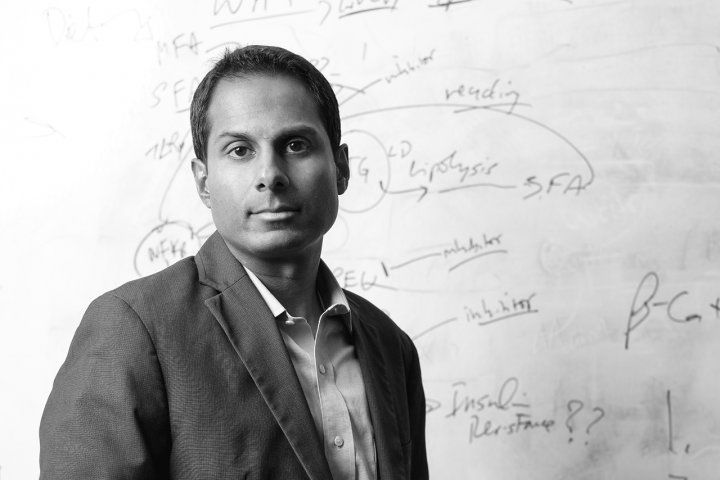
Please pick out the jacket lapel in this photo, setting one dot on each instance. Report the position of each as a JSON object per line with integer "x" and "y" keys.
{"x": 251, "y": 328}
{"x": 373, "y": 361}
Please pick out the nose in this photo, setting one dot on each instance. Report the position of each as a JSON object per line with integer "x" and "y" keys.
{"x": 271, "y": 174}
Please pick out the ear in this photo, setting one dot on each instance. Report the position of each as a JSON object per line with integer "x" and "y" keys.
{"x": 200, "y": 173}
{"x": 342, "y": 167}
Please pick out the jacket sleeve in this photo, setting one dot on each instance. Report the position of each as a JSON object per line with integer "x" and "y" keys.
{"x": 106, "y": 417}
{"x": 417, "y": 408}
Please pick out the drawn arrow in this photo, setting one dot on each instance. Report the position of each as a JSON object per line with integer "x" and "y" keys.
{"x": 431, "y": 405}
{"x": 422, "y": 188}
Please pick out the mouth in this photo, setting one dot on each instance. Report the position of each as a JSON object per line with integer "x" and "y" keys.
{"x": 281, "y": 212}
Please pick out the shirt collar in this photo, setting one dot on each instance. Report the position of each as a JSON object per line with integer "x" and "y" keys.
{"x": 332, "y": 298}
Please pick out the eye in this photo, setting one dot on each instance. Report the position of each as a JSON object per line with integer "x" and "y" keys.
{"x": 297, "y": 146}
{"x": 240, "y": 151}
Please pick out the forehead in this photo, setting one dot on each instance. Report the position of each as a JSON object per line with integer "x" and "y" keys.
{"x": 261, "y": 104}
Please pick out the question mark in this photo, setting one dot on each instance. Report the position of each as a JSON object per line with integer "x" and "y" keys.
{"x": 594, "y": 422}
{"x": 569, "y": 422}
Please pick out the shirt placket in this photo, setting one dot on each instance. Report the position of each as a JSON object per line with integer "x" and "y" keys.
{"x": 337, "y": 427}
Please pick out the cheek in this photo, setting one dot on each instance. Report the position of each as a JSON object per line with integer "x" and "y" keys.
{"x": 329, "y": 203}
{"x": 222, "y": 187}
{"x": 326, "y": 181}
{"x": 225, "y": 200}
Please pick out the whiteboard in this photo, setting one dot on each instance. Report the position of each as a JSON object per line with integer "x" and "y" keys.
{"x": 534, "y": 198}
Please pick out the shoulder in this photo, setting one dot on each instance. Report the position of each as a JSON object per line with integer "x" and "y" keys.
{"x": 160, "y": 297}
{"x": 121, "y": 326}
{"x": 172, "y": 282}
{"x": 171, "y": 286}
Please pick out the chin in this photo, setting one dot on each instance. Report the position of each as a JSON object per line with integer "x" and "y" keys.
{"x": 279, "y": 245}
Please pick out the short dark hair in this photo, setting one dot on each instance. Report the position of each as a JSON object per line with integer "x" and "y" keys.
{"x": 263, "y": 60}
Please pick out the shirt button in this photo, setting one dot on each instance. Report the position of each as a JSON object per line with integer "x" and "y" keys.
{"x": 322, "y": 371}
{"x": 339, "y": 442}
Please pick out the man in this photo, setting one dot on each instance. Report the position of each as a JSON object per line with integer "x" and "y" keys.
{"x": 248, "y": 360}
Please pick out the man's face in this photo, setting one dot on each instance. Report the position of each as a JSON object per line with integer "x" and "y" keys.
{"x": 271, "y": 180}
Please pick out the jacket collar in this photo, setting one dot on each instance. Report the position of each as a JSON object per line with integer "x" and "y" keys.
{"x": 250, "y": 327}
{"x": 217, "y": 267}
{"x": 332, "y": 299}
{"x": 248, "y": 323}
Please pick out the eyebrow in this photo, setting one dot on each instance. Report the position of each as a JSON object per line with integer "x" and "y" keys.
{"x": 291, "y": 131}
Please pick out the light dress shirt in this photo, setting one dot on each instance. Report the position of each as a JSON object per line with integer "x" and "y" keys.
{"x": 330, "y": 376}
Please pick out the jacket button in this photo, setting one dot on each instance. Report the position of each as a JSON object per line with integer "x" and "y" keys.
{"x": 339, "y": 442}
{"x": 322, "y": 369}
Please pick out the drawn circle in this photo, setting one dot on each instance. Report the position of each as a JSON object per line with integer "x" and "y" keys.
{"x": 164, "y": 245}
{"x": 369, "y": 172}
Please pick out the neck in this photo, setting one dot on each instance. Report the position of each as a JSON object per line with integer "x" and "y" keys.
{"x": 292, "y": 280}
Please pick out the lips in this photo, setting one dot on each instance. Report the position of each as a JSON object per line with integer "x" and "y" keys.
{"x": 276, "y": 212}
{"x": 276, "y": 209}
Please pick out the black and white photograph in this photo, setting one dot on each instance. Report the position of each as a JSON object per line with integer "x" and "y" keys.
{"x": 360, "y": 240}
